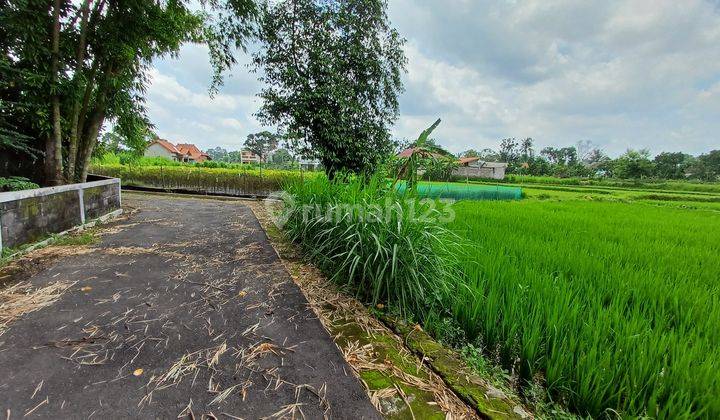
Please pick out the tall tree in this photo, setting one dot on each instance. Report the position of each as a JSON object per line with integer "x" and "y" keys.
{"x": 78, "y": 64}
{"x": 262, "y": 143}
{"x": 707, "y": 166}
{"x": 526, "y": 147}
{"x": 634, "y": 164}
{"x": 509, "y": 150}
{"x": 672, "y": 165}
{"x": 282, "y": 158}
{"x": 332, "y": 72}
{"x": 218, "y": 154}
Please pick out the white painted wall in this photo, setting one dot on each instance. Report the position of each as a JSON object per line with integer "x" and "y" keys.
{"x": 155, "y": 150}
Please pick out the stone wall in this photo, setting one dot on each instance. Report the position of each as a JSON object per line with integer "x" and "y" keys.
{"x": 32, "y": 215}
{"x": 97, "y": 200}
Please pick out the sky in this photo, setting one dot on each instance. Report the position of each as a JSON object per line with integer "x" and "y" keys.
{"x": 620, "y": 74}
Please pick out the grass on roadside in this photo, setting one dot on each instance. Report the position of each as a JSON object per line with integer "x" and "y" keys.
{"x": 602, "y": 304}
{"x": 385, "y": 247}
{"x": 84, "y": 237}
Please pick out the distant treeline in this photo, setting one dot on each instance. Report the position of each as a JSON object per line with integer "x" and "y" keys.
{"x": 588, "y": 162}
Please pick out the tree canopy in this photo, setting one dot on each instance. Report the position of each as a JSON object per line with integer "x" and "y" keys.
{"x": 262, "y": 143}
{"x": 68, "y": 67}
{"x": 332, "y": 71}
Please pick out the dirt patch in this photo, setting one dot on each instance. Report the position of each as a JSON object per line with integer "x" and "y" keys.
{"x": 25, "y": 266}
{"x": 22, "y": 298}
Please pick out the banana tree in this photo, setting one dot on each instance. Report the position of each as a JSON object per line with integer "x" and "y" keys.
{"x": 421, "y": 149}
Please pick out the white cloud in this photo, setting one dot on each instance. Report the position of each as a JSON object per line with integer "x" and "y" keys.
{"x": 231, "y": 123}
{"x": 621, "y": 73}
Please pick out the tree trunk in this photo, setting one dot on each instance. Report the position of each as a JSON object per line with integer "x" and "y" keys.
{"x": 90, "y": 134}
{"x": 53, "y": 147}
{"x": 90, "y": 141}
{"x": 79, "y": 68}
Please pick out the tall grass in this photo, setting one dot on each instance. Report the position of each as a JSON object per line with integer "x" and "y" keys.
{"x": 614, "y": 307}
{"x": 383, "y": 246}
{"x": 200, "y": 179}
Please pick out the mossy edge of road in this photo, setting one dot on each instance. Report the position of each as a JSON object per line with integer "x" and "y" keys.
{"x": 467, "y": 384}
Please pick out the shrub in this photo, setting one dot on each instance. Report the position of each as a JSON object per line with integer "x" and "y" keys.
{"x": 384, "y": 246}
{"x": 16, "y": 183}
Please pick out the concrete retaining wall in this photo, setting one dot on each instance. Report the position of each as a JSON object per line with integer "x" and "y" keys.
{"x": 493, "y": 172}
{"x": 31, "y": 215}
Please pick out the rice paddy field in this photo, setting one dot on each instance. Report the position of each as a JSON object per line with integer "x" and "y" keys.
{"x": 607, "y": 298}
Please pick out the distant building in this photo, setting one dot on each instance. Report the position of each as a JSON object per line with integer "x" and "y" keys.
{"x": 473, "y": 167}
{"x": 246, "y": 156}
{"x": 469, "y": 167}
{"x": 184, "y": 152}
{"x": 309, "y": 164}
{"x": 195, "y": 154}
{"x": 408, "y": 152}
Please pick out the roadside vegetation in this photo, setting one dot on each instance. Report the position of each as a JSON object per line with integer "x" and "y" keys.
{"x": 602, "y": 303}
{"x": 201, "y": 179}
{"x": 16, "y": 183}
{"x": 384, "y": 249}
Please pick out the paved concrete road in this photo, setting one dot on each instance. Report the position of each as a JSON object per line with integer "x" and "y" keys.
{"x": 182, "y": 308}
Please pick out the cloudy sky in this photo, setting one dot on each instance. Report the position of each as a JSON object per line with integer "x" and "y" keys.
{"x": 630, "y": 73}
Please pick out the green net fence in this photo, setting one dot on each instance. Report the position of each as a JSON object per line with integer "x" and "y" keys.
{"x": 457, "y": 191}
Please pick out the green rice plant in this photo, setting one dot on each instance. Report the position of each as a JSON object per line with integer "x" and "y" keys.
{"x": 614, "y": 306}
{"x": 648, "y": 184}
{"x": 385, "y": 247}
{"x": 663, "y": 197}
{"x": 200, "y": 179}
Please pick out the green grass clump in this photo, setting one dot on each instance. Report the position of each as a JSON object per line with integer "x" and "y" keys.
{"x": 615, "y": 306}
{"x": 385, "y": 247}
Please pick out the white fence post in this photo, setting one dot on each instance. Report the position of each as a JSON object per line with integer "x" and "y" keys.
{"x": 81, "y": 196}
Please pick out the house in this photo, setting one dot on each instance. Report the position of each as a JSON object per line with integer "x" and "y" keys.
{"x": 474, "y": 167}
{"x": 469, "y": 167}
{"x": 309, "y": 164}
{"x": 195, "y": 154}
{"x": 184, "y": 152}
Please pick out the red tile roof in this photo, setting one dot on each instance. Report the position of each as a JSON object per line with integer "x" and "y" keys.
{"x": 183, "y": 150}
{"x": 191, "y": 150}
{"x": 167, "y": 145}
